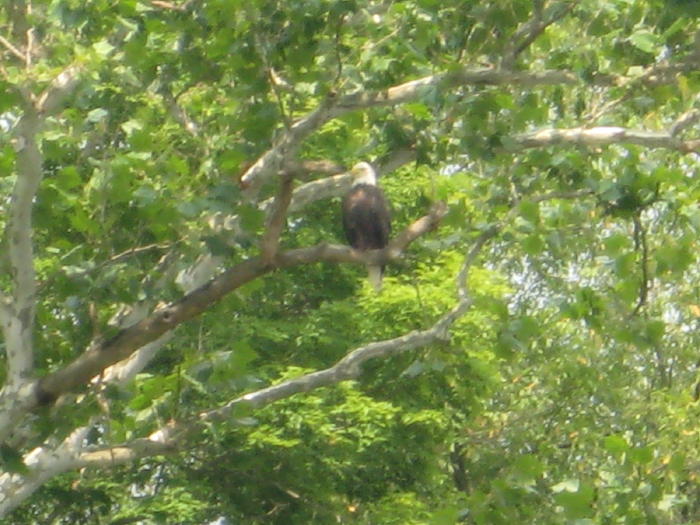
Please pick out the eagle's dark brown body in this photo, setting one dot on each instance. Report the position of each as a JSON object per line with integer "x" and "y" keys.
{"x": 367, "y": 222}
{"x": 366, "y": 218}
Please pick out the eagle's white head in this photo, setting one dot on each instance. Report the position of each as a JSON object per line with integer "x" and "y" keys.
{"x": 363, "y": 173}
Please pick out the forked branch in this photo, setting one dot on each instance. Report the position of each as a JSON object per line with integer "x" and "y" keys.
{"x": 102, "y": 354}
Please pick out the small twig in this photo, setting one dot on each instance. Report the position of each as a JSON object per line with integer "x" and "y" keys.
{"x": 178, "y": 113}
{"x": 12, "y": 49}
{"x": 131, "y": 252}
{"x": 30, "y": 45}
{"x": 169, "y": 5}
{"x": 640, "y": 241}
{"x": 276, "y": 82}
{"x": 30, "y": 39}
{"x": 533, "y": 28}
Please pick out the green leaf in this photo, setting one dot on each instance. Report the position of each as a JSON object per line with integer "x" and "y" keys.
{"x": 103, "y": 48}
{"x": 533, "y": 244}
{"x": 568, "y": 485}
{"x": 97, "y": 115}
{"x": 644, "y": 40}
{"x": 616, "y": 444}
{"x": 578, "y": 504}
{"x": 528, "y": 467}
{"x": 252, "y": 217}
{"x": 641, "y": 455}
{"x": 530, "y": 211}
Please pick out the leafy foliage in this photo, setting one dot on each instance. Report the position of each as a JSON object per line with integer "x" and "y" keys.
{"x": 566, "y": 394}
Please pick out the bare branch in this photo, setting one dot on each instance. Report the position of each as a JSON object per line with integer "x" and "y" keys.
{"x": 339, "y": 184}
{"x": 46, "y": 462}
{"x": 303, "y": 169}
{"x": 272, "y": 161}
{"x": 349, "y": 367}
{"x": 124, "y": 453}
{"x": 603, "y": 136}
{"x": 686, "y": 120}
{"x": 104, "y": 353}
{"x": 60, "y": 89}
{"x": 276, "y": 221}
{"x": 18, "y": 328}
{"x": 11, "y": 48}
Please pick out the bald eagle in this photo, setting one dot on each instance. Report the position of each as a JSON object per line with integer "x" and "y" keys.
{"x": 366, "y": 217}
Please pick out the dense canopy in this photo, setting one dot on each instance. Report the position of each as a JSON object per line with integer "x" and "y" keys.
{"x": 186, "y": 337}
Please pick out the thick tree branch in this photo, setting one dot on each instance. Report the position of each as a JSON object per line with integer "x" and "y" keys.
{"x": 325, "y": 188}
{"x": 17, "y": 329}
{"x": 124, "y": 453}
{"x": 102, "y": 354}
{"x": 45, "y": 463}
{"x": 275, "y": 158}
{"x": 277, "y": 219}
{"x": 337, "y": 185}
{"x": 59, "y": 90}
{"x": 349, "y": 367}
{"x": 17, "y": 326}
{"x": 603, "y": 136}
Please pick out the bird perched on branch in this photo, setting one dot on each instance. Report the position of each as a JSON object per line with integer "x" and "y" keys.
{"x": 366, "y": 217}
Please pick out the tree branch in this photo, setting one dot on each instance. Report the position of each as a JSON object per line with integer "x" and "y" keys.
{"x": 272, "y": 161}
{"x": 18, "y": 325}
{"x": 330, "y": 186}
{"x": 17, "y": 328}
{"x": 276, "y": 220}
{"x": 12, "y": 49}
{"x": 603, "y": 136}
{"x": 44, "y": 463}
{"x": 686, "y": 120}
{"x": 104, "y": 353}
{"x": 337, "y": 185}
{"x": 349, "y": 367}
{"x": 124, "y": 453}
{"x": 178, "y": 113}
{"x": 61, "y": 88}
